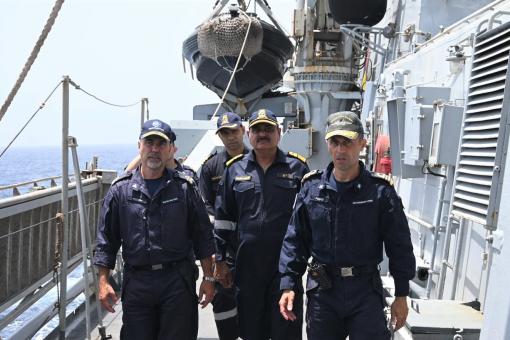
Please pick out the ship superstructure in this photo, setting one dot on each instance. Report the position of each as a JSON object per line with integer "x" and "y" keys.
{"x": 429, "y": 78}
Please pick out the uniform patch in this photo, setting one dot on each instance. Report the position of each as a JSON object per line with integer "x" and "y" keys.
{"x": 185, "y": 177}
{"x": 362, "y": 202}
{"x": 296, "y": 156}
{"x": 387, "y": 178}
{"x": 175, "y": 199}
{"x": 210, "y": 156}
{"x": 242, "y": 178}
{"x": 311, "y": 174}
{"x": 122, "y": 177}
{"x": 286, "y": 175}
{"x": 215, "y": 178}
{"x": 233, "y": 160}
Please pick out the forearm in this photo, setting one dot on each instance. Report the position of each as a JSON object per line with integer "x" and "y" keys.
{"x": 104, "y": 274}
{"x": 206, "y": 264}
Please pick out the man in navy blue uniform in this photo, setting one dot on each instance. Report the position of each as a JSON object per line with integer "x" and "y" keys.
{"x": 231, "y": 132}
{"x": 171, "y": 163}
{"x": 252, "y": 213}
{"x": 342, "y": 217}
{"x": 157, "y": 216}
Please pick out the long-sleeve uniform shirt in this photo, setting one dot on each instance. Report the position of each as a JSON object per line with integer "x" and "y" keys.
{"x": 254, "y": 207}
{"x": 210, "y": 176}
{"x": 153, "y": 229}
{"x": 348, "y": 229}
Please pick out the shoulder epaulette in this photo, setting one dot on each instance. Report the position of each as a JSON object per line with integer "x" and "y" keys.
{"x": 311, "y": 174}
{"x": 210, "y": 156}
{"x": 188, "y": 168}
{"x": 185, "y": 177}
{"x": 233, "y": 160}
{"x": 296, "y": 156}
{"x": 384, "y": 177}
{"x": 124, "y": 176}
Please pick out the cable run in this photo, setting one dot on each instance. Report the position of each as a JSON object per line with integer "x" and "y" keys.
{"x": 32, "y": 117}
{"x": 31, "y": 59}
{"x": 78, "y": 87}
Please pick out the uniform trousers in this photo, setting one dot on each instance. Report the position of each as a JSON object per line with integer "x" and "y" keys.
{"x": 159, "y": 304}
{"x": 259, "y": 312}
{"x": 225, "y": 313}
{"x": 353, "y": 307}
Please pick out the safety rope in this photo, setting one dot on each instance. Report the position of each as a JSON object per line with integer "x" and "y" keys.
{"x": 33, "y": 56}
{"x": 32, "y": 117}
{"x": 236, "y": 66}
{"x": 78, "y": 87}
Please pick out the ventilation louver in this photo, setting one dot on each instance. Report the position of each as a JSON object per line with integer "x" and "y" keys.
{"x": 477, "y": 181}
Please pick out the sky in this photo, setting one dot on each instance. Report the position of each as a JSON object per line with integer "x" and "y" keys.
{"x": 119, "y": 50}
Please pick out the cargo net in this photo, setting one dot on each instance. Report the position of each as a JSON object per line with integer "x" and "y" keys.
{"x": 222, "y": 37}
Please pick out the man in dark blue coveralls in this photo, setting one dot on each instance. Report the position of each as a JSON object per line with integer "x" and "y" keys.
{"x": 171, "y": 163}
{"x": 252, "y": 213}
{"x": 157, "y": 216}
{"x": 231, "y": 132}
{"x": 342, "y": 217}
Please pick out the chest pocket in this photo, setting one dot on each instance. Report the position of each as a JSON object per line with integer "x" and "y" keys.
{"x": 320, "y": 212}
{"x": 285, "y": 192}
{"x": 174, "y": 233}
{"x": 132, "y": 223}
{"x": 245, "y": 194}
{"x": 364, "y": 228}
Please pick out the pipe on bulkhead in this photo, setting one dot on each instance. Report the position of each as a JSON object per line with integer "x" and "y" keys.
{"x": 458, "y": 253}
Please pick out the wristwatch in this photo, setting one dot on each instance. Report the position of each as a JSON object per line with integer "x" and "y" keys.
{"x": 209, "y": 278}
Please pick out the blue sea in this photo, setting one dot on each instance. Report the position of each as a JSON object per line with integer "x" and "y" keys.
{"x": 22, "y": 164}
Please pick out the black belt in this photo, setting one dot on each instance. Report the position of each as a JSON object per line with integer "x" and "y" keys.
{"x": 352, "y": 271}
{"x": 150, "y": 267}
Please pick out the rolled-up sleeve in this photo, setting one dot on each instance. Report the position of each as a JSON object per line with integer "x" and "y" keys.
{"x": 108, "y": 231}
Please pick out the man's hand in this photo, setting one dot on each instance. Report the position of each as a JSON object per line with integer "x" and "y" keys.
{"x": 287, "y": 304}
{"x": 107, "y": 295}
{"x": 223, "y": 274}
{"x": 206, "y": 293}
{"x": 399, "y": 311}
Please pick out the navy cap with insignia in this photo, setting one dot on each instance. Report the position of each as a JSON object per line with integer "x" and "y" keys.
{"x": 345, "y": 124}
{"x": 262, "y": 116}
{"x": 228, "y": 120}
{"x": 156, "y": 127}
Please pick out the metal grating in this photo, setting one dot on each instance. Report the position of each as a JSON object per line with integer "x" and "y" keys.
{"x": 476, "y": 187}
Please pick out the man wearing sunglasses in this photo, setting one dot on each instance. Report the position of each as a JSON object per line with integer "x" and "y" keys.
{"x": 252, "y": 213}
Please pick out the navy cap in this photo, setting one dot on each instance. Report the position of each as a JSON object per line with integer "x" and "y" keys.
{"x": 262, "y": 116}
{"x": 228, "y": 120}
{"x": 345, "y": 124}
{"x": 156, "y": 127}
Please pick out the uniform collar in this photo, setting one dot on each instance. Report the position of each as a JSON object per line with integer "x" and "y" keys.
{"x": 138, "y": 183}
{"x": 280, "y": 156}
{"x": 357, "y": 184}
{"x": 228, "y": 157}
{"x": 179, "y": 166}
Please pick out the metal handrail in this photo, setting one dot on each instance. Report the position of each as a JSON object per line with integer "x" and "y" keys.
{"x": 34, "y": 183}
